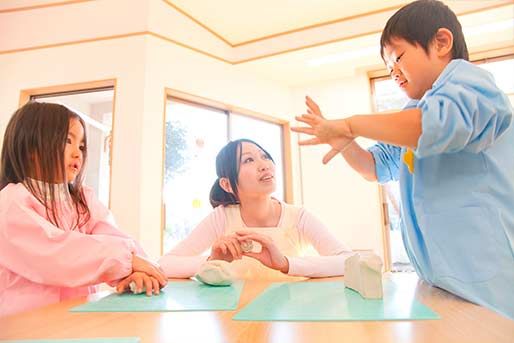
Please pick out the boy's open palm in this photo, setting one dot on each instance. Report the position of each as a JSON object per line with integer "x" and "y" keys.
{"x": 335, "y": 133}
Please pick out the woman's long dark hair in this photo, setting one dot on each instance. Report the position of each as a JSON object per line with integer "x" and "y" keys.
{"x": 227, "y": 166}
{"x": 33, "y": 147}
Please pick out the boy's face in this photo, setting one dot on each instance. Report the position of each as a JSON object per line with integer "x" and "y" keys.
{"x": 413, "y": 70}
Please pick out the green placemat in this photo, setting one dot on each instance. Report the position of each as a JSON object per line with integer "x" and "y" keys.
{"x": 332, "y": 301}
{"x": 176, "y": 296}
{"x": 80, "y": 340}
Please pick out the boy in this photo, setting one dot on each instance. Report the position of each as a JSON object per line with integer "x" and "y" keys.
{"x": 451, "y": 148}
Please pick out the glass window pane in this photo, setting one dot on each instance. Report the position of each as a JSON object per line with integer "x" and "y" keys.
{"x": 388, "y": 96}
{"x": 266, "y": 134}
{"x": 194, "y": 136}
{"x": 503, "y": 72}
{"x": 95, "y": 107}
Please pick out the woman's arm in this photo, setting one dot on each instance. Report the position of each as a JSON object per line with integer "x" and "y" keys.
{"x": 333, "y": 252}
{"x": 185, "y": 259}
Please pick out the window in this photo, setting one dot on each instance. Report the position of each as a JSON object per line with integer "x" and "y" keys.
{"x": 194, "y": 135}
{"x": 388, "y": 97}
{"x": 95, "y": 107}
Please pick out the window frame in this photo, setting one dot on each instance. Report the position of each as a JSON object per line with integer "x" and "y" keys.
{"x": 230, "y": 110}
{"x": 76, "y": 88}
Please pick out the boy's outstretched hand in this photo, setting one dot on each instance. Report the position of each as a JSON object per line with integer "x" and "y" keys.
{"x": 336, "y": 133}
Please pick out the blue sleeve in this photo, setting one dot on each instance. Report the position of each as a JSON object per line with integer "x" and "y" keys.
{"x": 467, "y": 113}
{"x": 387, "y": 161}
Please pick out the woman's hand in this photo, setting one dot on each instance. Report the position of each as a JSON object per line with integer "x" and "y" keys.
{"x": 140, "y": 279}
{"x": 226, "y": 248}
{"x": 269, "y": 255}
{"x": 141, "y": 264}
{"x": 336, "y": 133}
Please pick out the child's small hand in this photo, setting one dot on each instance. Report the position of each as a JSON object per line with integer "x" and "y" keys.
{"x": 150, "y": 284}
{"x": 141, "y": 264}
{"x": 336, "y": 133}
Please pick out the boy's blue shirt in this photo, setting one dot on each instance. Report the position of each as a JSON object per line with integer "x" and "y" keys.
{"x": 458, "y": 205}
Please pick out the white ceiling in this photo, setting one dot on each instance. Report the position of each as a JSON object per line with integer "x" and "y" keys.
{"x": 488, "y": 24}
{"x": 303, "y": 41}
{"x": 242, "y": 21}
{"x": 484, "y": 31}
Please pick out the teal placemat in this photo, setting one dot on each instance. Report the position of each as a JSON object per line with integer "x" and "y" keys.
{"x": 81, "y": 340}
{"x": 332, "y": 301}
{"x": 176, "y": 296}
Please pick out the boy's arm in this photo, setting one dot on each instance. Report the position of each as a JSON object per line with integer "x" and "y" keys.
{"x": 402, "y": 128}
{"x": 361, "y": 161}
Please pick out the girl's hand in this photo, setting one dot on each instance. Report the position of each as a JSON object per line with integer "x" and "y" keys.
{"x": 226, "y": 248}
{"x": 336, "y": 133}
{"x": 270, "y": 255}
{"x": 140, "y": 279}
{"x": 141, "y": 264}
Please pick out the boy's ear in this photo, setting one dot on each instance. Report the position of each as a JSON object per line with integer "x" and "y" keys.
{"x": 443, "y": 42}
{"x": 225, "y": 185}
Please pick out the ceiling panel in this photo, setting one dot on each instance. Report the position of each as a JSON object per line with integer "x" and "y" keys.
{"x": 242, "y": 21}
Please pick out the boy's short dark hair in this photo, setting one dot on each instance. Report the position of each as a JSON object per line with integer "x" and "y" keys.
{"x": 419, "y": 21}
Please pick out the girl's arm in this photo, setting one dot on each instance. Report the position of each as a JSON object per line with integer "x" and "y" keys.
{"x": 333, "y": 253}
{"x": 185, "y": 259}
{"x": 104, "y": 223}
{"x": 43, "y": 253}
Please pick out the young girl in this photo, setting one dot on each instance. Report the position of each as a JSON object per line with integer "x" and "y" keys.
{"x": 245, "y": 211}
{"x": 56, "y": 240}
{"x": 451, "y": 148}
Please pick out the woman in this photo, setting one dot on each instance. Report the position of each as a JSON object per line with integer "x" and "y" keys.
{"x": 244, "y": 211}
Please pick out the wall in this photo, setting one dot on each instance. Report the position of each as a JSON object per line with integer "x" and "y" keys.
{"x": 340, "y": 197}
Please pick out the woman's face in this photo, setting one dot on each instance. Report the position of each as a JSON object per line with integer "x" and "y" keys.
{"x": 256, "y": 171}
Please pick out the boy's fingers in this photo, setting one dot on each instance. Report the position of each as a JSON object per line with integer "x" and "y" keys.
{"x": 306, "y": 130}
{"x": 330, "y": 155}
{"x": 308, "y": 119}
{"x": 312, "y": 105}
{"x": 312, "y": 141}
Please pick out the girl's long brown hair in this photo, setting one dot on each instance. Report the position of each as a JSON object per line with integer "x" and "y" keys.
{"x": 33, "y": 147}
